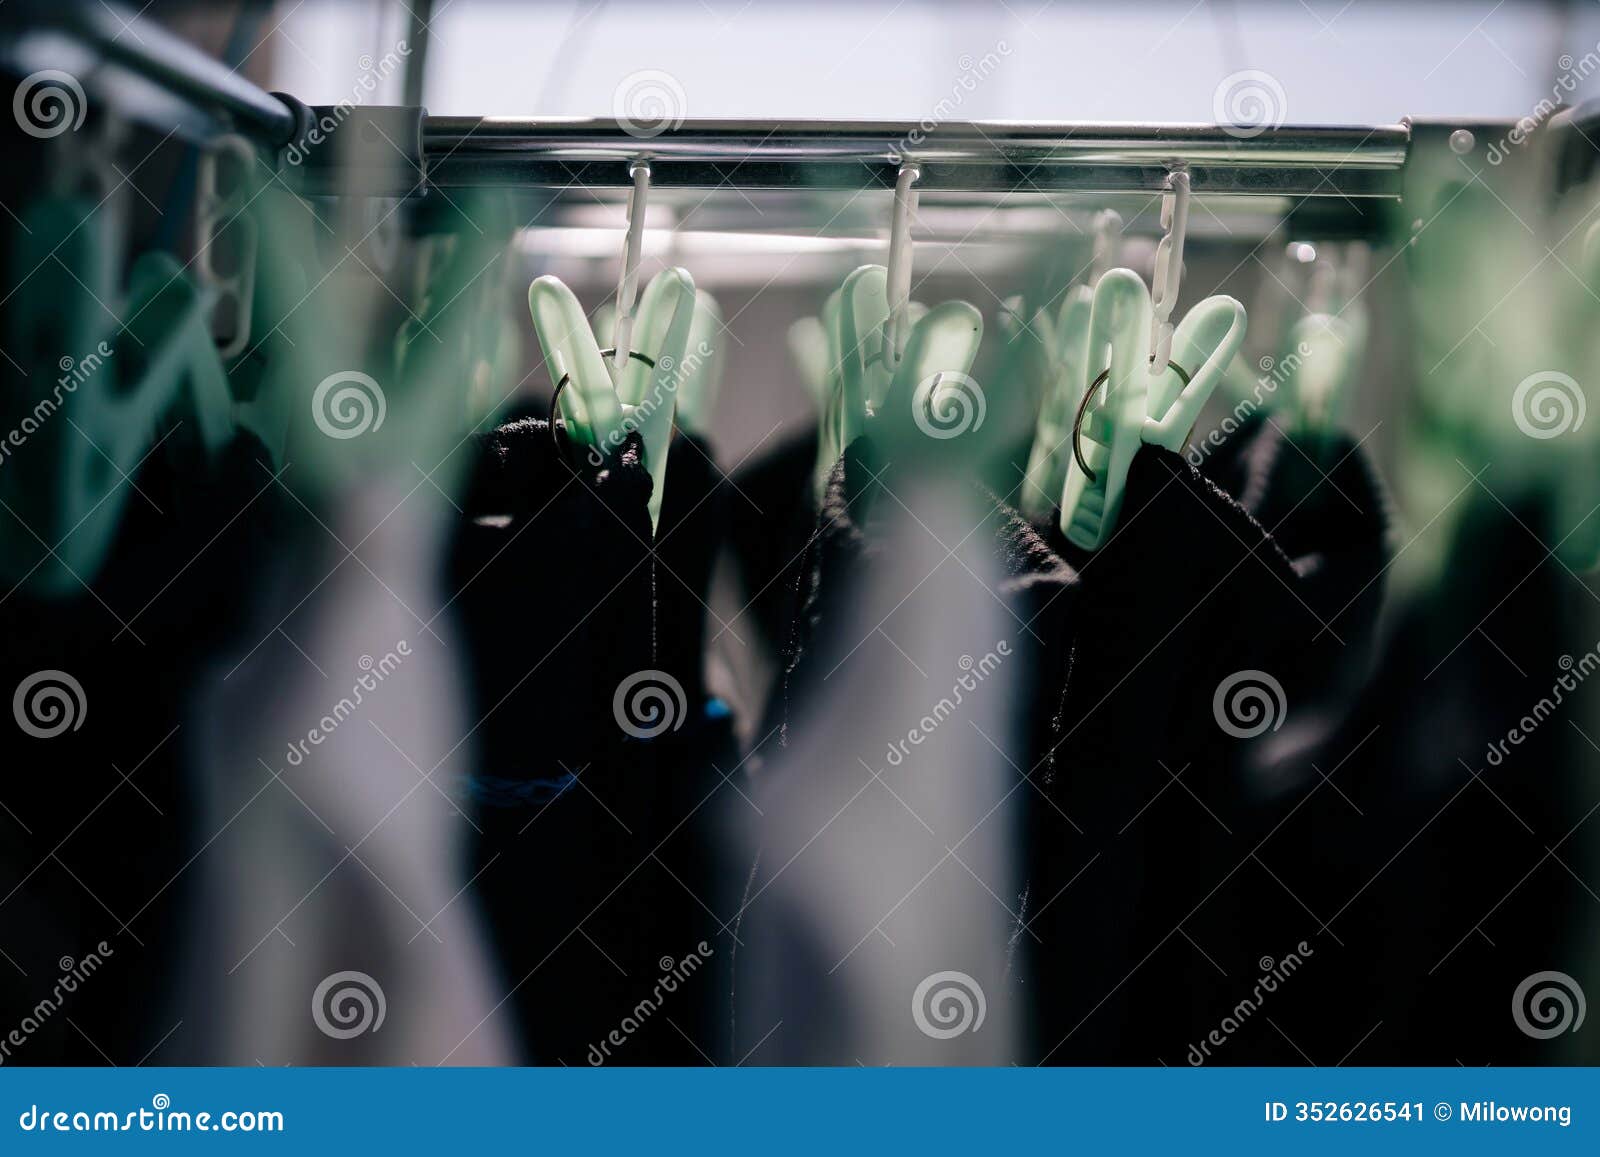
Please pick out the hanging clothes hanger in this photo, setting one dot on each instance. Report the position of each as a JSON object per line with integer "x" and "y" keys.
{"x": 1150, "y": 399}
{"x": 586, "y": 394}
{"x": 1186, "y": 364}
{"x": 604, "y": 394}
{"x": 888, "y": 351}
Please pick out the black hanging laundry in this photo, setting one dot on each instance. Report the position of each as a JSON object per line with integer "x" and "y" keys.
{"x": 1042, "y": 590}
{"x": 827, "y": 572}
{"x": 1189, "y": 595}
{"x": 94, "y": 898}
{"x": 551, "y": 569}
{"x": 1320, "y": 498}
{"x": 1141, "y": 885}
{"x": 694, "y": 515}
{"x": 1321, "y": 502}
{"x": 1325, "y": 505}
{"x": 550, "y": 577}
{"x": 1447, "y": 887}
{"x": 768, "y": 532}
{"x": 697, "y": 761}
{"x": 589, "y": 743}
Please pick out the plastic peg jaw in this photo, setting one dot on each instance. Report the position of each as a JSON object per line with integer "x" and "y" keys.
{"x": 650, "y": 381}
{"x": 1203, "y": 347}
{"x": 1111, "y": 419}
{"x": 863, "y": 310}
{"x": 1046, "y": 472}
{"x": 590, "y": 403}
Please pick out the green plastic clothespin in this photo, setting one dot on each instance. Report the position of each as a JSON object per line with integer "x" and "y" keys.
{"x": 864, "y": 378}
{"x": 890, "y": 363}
{"x": 1327, "y": 345}
{"x": 699, "y": 375}
{"x": 1152, "y": 400}
{"x": 649, "y": 381}
{"x": 1052, "y": 438}
{"x": 588, "y": 400}
{"x": 83, "y": 433}
{"x": 1203, "y": 347}
{"x": 1046, "y": 472}
{"x": 1114, "y": 411}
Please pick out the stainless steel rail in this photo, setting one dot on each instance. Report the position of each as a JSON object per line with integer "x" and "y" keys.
{"x": 976, "y": 157}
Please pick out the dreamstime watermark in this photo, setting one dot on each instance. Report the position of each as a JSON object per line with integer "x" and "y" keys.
{"x": 1577, "y": 672}
{"x": 48, "y": 103}
{"x": 374, "y": 673}
{"x": 673, "y": 974}
{"x": 1572, "y": 72}
{"x": 372, "y": 72}
{"x": 347, "y": 1004}
{"x": 976, "y": 671}
{"x": 648, "y": 703}
{"x": 947, "y": 405}
{"x": 73, "y": 973}
{"x": 1275, "y": 371}
{"x": 649, "y": 102}
{"x": 48, "y": 703}
{"x": 973, "y": 72}
{"x": 667, "y": 377}
{"x": 347, "y": 404}
{"x": 159, "y": 1118}
{"x": 1548, "y": 404}
{"x": 1249, "y": 703}
{"x": 1273, "y": 973}
{"x": 74, "y": 372}
{"x": 948, "y": 1004}
{"x": 1248, "y": 103}
{"x": 1548, "y": 1004}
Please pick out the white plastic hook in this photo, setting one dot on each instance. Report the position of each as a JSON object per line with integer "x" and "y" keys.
{"x": 899, "y": 274}
{"x": 1169, "y": 264}
{"x": 628, "y": 280}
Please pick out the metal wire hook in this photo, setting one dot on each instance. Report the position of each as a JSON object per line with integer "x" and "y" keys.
{"x": 566, "y": 379}
{"x": 1083, "y": 407}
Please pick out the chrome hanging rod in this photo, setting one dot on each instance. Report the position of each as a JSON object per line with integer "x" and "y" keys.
{"x": 1002, "y": 156}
